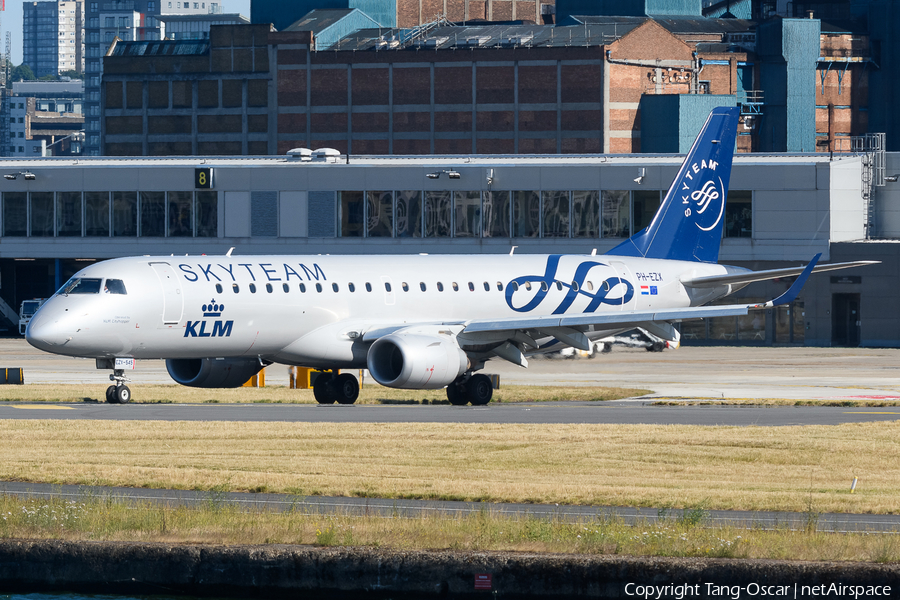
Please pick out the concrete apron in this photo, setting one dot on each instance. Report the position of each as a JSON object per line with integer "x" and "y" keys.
{"x": 342, "y": 572}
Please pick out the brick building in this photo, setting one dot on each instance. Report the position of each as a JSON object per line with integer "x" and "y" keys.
{"x": 491, "y": 89}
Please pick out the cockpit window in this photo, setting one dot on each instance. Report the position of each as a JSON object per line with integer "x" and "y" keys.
{"x": 114, "y": 286}
{"x": 81, "y": 285}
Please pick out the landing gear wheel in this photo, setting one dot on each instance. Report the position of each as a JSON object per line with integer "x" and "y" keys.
{"x": 122, "y": 394}
{"x": 322, "y": 389}
{"x": 479, "y": 389}
{"x": 456, "y": 394}
{"x": 111, "y": 395}
{"x": 346, "y": 388}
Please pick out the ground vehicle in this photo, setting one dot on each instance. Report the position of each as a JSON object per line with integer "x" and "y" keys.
{"x": 27, "y": 310}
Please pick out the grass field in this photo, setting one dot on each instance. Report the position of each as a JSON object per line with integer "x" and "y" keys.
{"x": 746, "y": 468}
{"x": 369, "y": 394}
{"x": 98, "y": 518}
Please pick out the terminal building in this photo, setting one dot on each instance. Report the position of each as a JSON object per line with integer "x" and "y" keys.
{"x": 59, "y": 214}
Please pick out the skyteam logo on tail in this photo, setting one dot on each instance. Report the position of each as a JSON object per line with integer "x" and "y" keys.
{"x": 218, "y": 328}
{"x": 708, "y": 203}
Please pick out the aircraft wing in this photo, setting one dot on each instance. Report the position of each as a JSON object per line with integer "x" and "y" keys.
{"x": 569, "y": 329}
{"x": 753, "y": 276}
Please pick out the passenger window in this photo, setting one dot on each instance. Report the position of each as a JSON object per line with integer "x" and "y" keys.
{"x": 351, "y": 287}
{"x": 487, "y": 286}
{"x": 471, "y": 287}
{"x": 82, "y": 286}
{"x": 574, "y": 286}
{"x": 368, "y": 287}
{"x": 606, "y": 285}
{"x": 269, "y": 287}
{"x": 440, "y": 286}
{"x": 499, "y": 286}
{"x": 528, "y": 285}
{"x": 334, "y": 286}
{"x": 285, "y": 287}
{"x": 319, "y": 287}
{"x": 387, "y": 286}
{"x": 114, "y": 286}
{"x": 235, "y": 288}
{"x": 455, "y": 287}
{"x": 544, "y": 286}
{"x": 422, "y": 286}
{"x": 405, "y": 286}
{"x": 302, "y": 288}
{"x": 559, "y": 285}
{"x": 590, "y": 286}
{"x": 218, "y": 288}
{"x": 515, "y": 286}
{"x": 252, "y": 288}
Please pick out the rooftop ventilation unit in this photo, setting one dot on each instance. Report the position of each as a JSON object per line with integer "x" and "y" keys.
{"x": 329, "y": 155}
{"x": 301, "y": 154}
{"x": 476, "y": 41}
{"x": 518, "y": 40}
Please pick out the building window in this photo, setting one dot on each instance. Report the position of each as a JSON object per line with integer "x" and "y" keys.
{"x": 615, "y": 211}
{"x": 438, "y": 214}
{"x": 526, "y": 214}
{"x": 495, "y": 214}
{"x": 467, "y": 214}
{"x": 379, "y": 214}
{"x": 41, "y": 214}
{"x": 181, "y": 214}
{"x": 96, "y": 214}
{"x": 207, "y": 212}
{"x": 68, "y": 214}
{"x": 586, "y": 214}
{"x": 153, "y": 214}
{"x": 739, "y": 214}
{"x": 352, "y": 214}
{"x": 93, "y": 6}
{"x": 15, "y": 214}
{"x": 151, "y": 6}
{"x": 125, "y": 214}
{"x": 409, "y": 214}
{"x": 644, "y": 205}
{"x": 555, "y": 214}
{"x": 110, "y": 21}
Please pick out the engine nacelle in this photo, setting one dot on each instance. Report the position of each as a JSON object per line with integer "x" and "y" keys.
{"x": 212, "y": 372}
{"x": 414, "y": 361}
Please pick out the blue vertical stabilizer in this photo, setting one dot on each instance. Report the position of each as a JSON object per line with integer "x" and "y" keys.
{"x": 688, "y": 224}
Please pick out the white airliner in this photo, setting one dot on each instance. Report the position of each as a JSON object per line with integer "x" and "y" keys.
{"x": 415, "y": 322}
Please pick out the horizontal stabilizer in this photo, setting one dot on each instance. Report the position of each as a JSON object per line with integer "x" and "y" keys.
{"x": 753, "y": 276}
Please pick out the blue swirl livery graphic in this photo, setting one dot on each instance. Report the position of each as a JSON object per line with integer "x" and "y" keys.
{"x": 542, "y": 284}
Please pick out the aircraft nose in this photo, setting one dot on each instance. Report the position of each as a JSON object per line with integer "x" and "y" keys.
{"x": 44, "y": 332}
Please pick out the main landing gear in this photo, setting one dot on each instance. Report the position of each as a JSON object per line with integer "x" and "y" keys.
{"x": 477, "y": 389}
{"x": 118, "y": 393}
{"x": 330, "y": 387}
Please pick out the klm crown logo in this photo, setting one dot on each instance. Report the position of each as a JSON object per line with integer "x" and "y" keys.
{"x": 220, "y": 328}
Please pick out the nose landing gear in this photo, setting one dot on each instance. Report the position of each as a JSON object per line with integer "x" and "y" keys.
{"x": 118, "y": 393}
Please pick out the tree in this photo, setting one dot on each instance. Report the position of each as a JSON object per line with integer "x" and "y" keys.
{"x": 22, "y": 73}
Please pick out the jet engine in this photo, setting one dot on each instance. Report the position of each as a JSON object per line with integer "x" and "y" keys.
{"x": 415, "y": 361}
{"x": 212, "y": 372}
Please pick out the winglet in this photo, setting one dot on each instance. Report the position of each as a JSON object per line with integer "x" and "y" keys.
{"x": 791, "y": 294}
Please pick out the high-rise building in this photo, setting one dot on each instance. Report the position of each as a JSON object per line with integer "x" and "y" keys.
{"x": 52, "y": 34}
{"x": 126, "y": 20}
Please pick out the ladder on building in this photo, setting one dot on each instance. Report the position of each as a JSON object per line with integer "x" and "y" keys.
{"x": 408, "y": 36}
{"x": 870, "y": 147}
